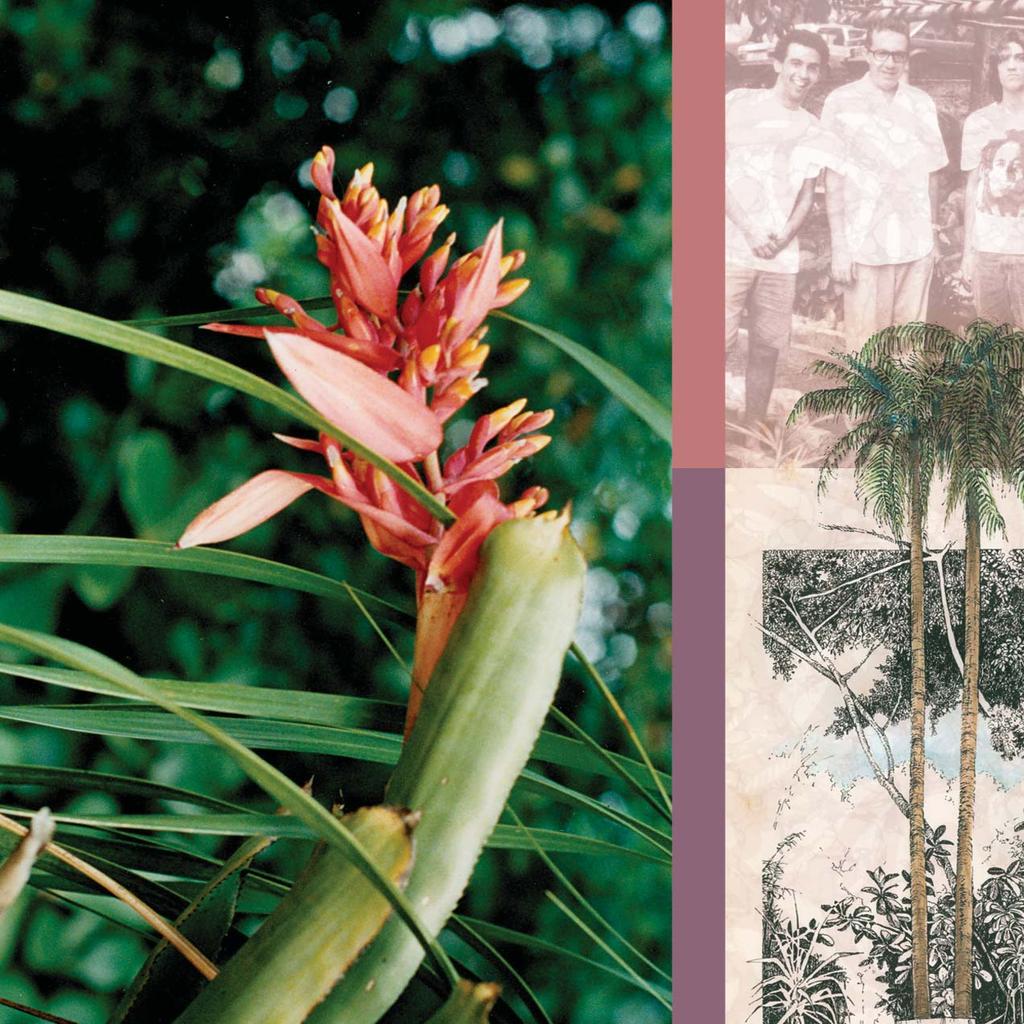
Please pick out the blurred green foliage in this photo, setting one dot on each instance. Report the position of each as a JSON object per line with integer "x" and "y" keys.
{"x": 156, "y": 162}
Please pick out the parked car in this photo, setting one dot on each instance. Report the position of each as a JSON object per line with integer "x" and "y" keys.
{"x": 846, "y": 44}
{"x": 928, "y": 50}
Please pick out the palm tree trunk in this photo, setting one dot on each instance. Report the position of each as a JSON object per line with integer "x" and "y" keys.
{"x": 964, "y": 893}
{"x": 918, "y": 877}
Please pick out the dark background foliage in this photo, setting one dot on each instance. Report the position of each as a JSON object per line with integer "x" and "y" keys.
{"x": 155, "y": 162}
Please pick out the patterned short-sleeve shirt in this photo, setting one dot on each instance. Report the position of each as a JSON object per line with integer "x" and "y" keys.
{"x": 993, "y": 145}
{"x": 892, "y": 144}
{"x": 770, "y": 151}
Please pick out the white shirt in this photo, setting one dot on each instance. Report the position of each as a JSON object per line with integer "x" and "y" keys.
{"x": 999, "y": 197}
{"x": 892, "y": 144}
{"x": 770, "y": 151}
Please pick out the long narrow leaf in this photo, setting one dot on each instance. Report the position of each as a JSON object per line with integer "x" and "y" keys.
{"x": 580, "y": 898}
{"x": 289, "y": 795}
{"x": 76, "y": 324}
{"x": 82, "y": 780}
{"x": 483, "y": 948}
{"x": 74, "y": 550}
{"x": 624, "y": 388}
{"x": 377, "y": 748}
{"x": 323, "y": 709}
{"x": 626, "y": 724}
{"x": 584, "y": 737}
{"x": 504, "y": 837}
{"x": 540, "y": 947}
{"x": 588, "y": 931}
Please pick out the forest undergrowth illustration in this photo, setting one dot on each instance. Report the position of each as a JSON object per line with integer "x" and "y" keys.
{"x": 921, "y": 651}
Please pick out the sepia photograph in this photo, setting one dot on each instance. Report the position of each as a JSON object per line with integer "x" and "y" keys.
{"x": 874, "y": 177}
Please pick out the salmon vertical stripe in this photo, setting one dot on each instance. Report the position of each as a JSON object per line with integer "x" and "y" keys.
{"x": 698, "y": 236}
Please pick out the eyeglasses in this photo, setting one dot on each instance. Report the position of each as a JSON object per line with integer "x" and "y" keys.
{"x": 896, "y": 56}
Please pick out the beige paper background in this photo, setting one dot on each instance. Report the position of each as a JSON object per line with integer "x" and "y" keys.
{"x": 778, "y": 758}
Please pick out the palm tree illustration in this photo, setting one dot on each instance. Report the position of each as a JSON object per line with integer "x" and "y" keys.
{"x": 893, "y": 405}
{"x": 979, "y": 443}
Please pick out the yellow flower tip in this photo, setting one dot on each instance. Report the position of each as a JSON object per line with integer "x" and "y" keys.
{"x": 510, "y": 411}
{"x": 429, "y": 358}
{"x": 509, "y": 291}
{"x": 475, "y": 359}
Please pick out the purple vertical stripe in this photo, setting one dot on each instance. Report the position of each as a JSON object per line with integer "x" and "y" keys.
{"x": 699, "y": 745}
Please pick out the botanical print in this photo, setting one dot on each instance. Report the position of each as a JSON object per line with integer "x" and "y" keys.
{"x": 818, "y": 752}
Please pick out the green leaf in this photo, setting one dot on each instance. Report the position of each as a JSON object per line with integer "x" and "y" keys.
{"x": 626, "y": 725}
{"x": 580, "y": 898}
{"x": 283, "y": 790}
{"x": 504, "y": 837}
{"x": 148, "y": 485}
{"x": 473, "y": 939}
{"x": 325, "y": 709}
{"x": 76, "y": 324}
{"x": 276, "y": 734}
{"x": 624, "y": 388}
{"x": 616, "y": 768}
{"x": 591, "y": 934}
{"x": 166, "y": 984}
{"x": 376, "y": 748}
{"x": 101, "y": 586}
{"x": 81, "y": 780}
{"x": 542, "y": 948}
{"x": 261, "y": 734}
{"x": 73, "y": 550}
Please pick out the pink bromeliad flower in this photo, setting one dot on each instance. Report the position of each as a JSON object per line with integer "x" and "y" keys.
{"x": 390, "y": 373}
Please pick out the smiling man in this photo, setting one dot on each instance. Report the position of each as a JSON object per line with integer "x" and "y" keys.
{"x": 993, "y": 156}
{"x": 775, "y": 150}
{"x": 882, "y": 212}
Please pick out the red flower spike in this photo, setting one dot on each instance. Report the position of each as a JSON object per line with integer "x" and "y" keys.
{"x": 525, "y": 423}
{"x": 371, "y": 373}
{"x": 355, "y": 323}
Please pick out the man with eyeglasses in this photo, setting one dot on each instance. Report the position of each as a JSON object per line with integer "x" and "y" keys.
{"x": 993, "y": 156}
{"x": 882, "y": 211}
